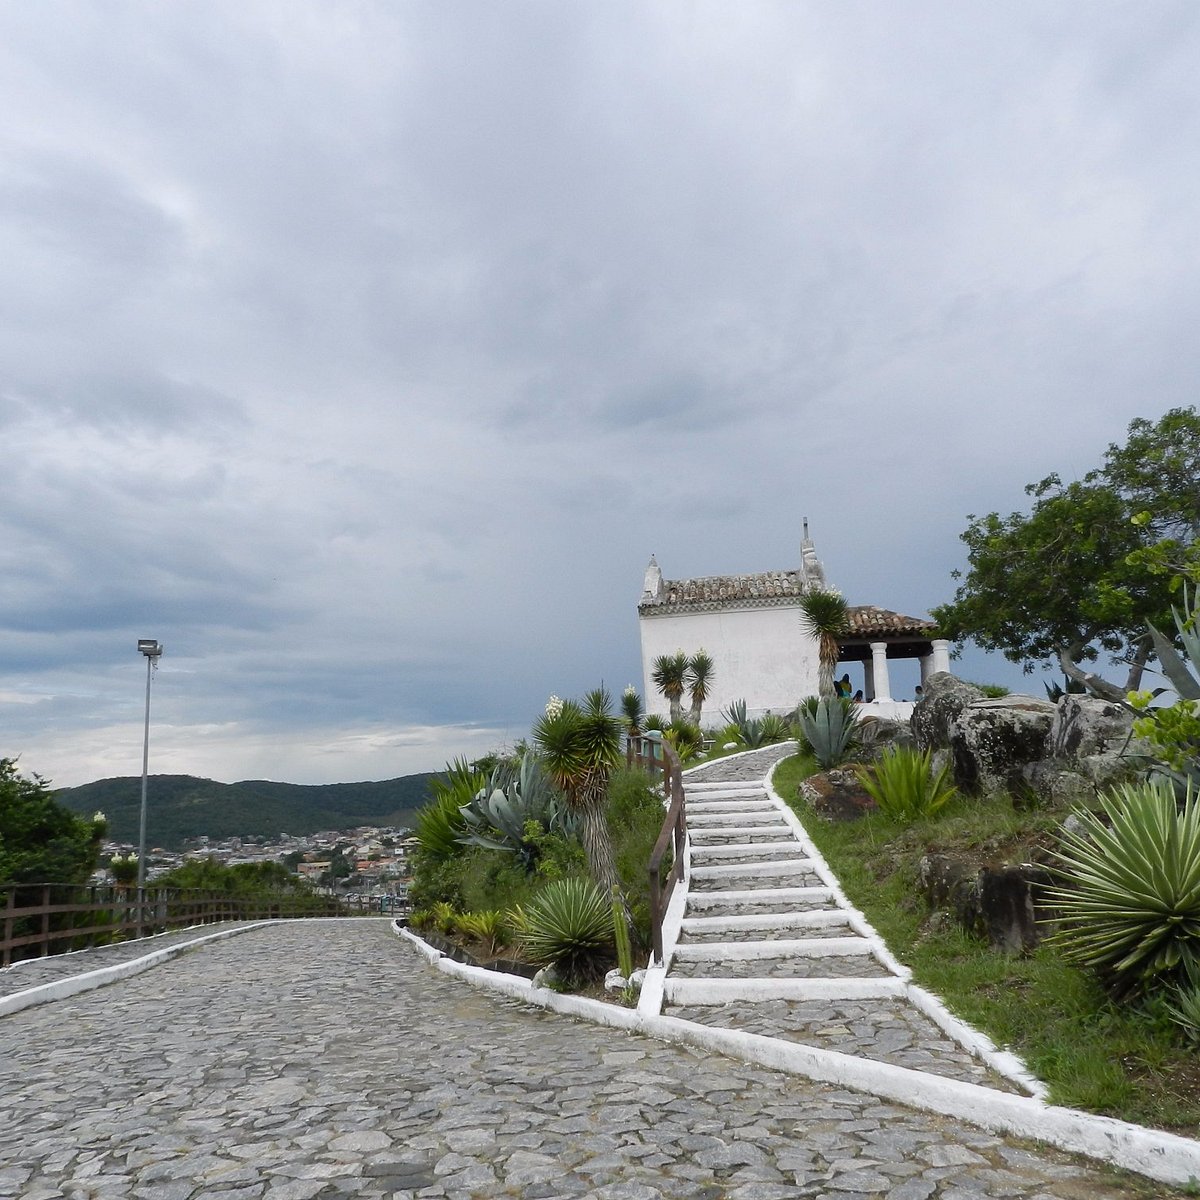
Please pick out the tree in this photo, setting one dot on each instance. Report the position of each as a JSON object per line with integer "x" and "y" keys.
{"x": 669, "y": 674}
{"x": 823, "y": 615}
{"x": 1077, "y": 575}
{"x": 699, "y": 680}
{"x": 40, "y": 841}
{"x": 580, "y": 744}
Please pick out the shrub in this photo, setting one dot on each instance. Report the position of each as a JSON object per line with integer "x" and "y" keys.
{"x": 569, "y": 927}
{"x": 902, "y": 782}
{"x": 488, "y": 927}
{"x": 1130, "y": 899}
{"x": 828, "y": 726}
{"x": 685, "y": 737}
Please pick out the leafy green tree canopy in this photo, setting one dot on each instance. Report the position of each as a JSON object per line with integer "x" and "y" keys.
{"x": 1075, "y": 577}
{"x": 40, "y": 841}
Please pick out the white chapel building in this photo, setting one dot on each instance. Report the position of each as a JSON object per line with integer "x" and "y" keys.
{"x": 751, "y": 628}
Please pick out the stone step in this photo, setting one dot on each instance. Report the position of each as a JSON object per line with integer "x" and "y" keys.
{"x": 753, "y": 875}
{"x": 737, "y": 834}
{"x": 765, "y": 901}
{"x": 722, "y": 991}
{"x": 746, "y": 788}
{"x": 758, "y": 852}
{"x": 741, "y": 816}
{"x": 837, "y": 926}
{"x": 703, "y": 808}
{"x": 757, "y": 922}
{"x": 746, "y": 951}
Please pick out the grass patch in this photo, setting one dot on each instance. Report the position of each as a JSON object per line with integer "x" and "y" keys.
{"x": 1119, "y": 1060}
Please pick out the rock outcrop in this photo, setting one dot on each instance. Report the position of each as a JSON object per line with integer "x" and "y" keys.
{"x": 992, "y": 741}
{"x": 932, "y": 719}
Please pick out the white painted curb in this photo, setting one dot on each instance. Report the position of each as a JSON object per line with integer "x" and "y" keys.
{"x": 72, "y": 985}
{"x": 1162, "y": 1156}
{"x": 1003, "y": 1062}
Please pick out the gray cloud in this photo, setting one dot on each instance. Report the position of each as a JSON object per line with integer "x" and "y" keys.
{"x": 363, "y": 356}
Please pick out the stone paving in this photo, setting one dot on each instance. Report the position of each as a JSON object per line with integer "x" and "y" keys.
{"x": 326, "y": 1059}
{"x": 889, "y": 1030}
{"x": 34, "y": 972}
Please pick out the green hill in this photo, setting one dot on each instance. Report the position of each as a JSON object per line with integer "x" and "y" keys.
{"x": 184, "y": 806}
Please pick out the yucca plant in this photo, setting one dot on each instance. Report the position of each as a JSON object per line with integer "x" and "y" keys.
{"x": 631, "y": 709}
{"x": 1185, "y": 1011}
{"x": 1130, "y": 893}
{"x": 824, "y": 616}
{"x": 669, "y": 674}
{"x": 828, "y": 725}
{"x": 569, "y": 925}
{"x": 699, "y": 683}
{"x": 775, "y": 729}
{"x": 580, "y": 744}
{"x": 905, "y": 786}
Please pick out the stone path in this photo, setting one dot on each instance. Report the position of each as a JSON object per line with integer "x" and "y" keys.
{"x": 325, "y": 1059}
{"x": 765, "y": 947}
{"x": 34, "y": 972}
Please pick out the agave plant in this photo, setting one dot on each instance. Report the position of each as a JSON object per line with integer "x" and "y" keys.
{"x": 828, "y": 725}
{"x": 1130, "y": 896}
{"x": 905, "y": 786}
{"x": 1175, "y": 731}
{"x": 669, "y": 674}
{"x": 824, "y": 615}
{"x": 498, "y": 816}
{"x": 569, "y": 925}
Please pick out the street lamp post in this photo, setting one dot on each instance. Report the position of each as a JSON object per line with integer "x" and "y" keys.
{"x": 152, "y": 650}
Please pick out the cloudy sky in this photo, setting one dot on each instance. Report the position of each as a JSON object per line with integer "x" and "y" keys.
{"x": 362, "y": 353}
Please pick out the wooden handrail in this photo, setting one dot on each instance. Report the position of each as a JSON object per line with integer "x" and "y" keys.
{"x": 38, "y": 919}
{"x": 643, "y": 751}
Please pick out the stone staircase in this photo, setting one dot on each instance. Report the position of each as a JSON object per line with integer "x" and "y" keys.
{"x": 768, "y": 944}
{"x": 760, "y": 922}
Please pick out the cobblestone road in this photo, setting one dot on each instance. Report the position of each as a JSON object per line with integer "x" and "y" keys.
{"x": 327, "y": 1060}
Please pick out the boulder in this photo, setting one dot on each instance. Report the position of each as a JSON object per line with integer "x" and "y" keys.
{"x": 996, "y": 903}
{"x": 877, "y": 734}
{"x": 934, "y": 715}
{"x": 992, "y": 741}
{"x": 837, "y": 795}
{"x": 1086, "y": 725}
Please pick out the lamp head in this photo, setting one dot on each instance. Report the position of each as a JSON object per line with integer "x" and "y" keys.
{"x": 149, "y": 647}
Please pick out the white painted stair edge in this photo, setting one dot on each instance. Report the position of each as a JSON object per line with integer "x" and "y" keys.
{"x": 1003, "y": 1062}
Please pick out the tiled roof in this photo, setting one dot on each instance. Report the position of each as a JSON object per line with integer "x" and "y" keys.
{"x": 868, "y": 621}
{"x": 771, "y": 589}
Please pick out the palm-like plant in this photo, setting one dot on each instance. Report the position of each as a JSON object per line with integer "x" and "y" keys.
{"x": 580, "y": 744}
{"x": 631, "y": 708}
{"x": 670, "y": 677}
{"x": 699, "y": 681}
{"x": 824, "y": 615}
{"x": 1130, "y": 901}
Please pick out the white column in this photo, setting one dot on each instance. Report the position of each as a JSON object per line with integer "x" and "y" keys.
{"x": 868, "y": 680}
{"x": 926, "y": 661}
{"x": 879, "y": 669}
{"x": 940, "y": 656}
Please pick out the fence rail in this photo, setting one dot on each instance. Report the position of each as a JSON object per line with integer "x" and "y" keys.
{"x": 657, "y": 754}
{"x": 38, "y": 919}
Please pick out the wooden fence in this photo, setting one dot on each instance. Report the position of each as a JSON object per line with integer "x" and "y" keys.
{"x": 658, "y": 754}
{"x": 51, "y": 918}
